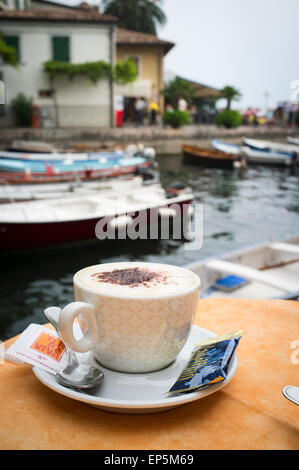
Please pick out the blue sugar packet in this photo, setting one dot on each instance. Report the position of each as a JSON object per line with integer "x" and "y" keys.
{"x": 208, "y": 365}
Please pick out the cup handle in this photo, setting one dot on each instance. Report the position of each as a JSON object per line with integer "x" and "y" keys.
{"x": 65, "y": 326}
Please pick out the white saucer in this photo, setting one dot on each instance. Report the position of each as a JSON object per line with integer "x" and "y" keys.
{"x": 139, "y": 393}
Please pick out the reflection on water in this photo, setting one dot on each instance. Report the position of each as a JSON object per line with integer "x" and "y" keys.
{"x": 240, "y": 208}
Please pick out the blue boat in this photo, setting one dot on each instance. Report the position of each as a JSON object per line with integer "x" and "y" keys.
{"x": 68, "y": 164}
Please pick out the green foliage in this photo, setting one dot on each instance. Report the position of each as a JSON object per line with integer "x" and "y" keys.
{"x": 93, "y": 71}
{"x": 123, "y": 72}
{"x": 297, "y": 118}
{"x": 22, "y": 108}
{"x": 137, "y": 15}
{"x": 176, "y": 89}
{"x": 176, "y": 118}
{"x": 8, "y": 53}
{"x": 230, "y": 94}
{"x": 229, "y": 119}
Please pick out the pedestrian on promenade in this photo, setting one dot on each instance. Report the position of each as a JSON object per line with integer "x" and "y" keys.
{"x": 140, "y": 111}
{"x": 154, "y": 109}
{"x": 182, "y": 104}
{"x": 139, "y": 107}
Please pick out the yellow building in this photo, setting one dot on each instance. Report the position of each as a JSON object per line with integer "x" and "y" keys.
{"x": 147, "y": 51}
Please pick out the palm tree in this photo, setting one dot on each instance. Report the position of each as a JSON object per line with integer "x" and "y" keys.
{"x": 230, "y": 94}
{"x": 137, "y": 15}
{"x": 176, "y": 89}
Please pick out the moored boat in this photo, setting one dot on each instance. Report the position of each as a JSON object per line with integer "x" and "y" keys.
{"x": 60, "y": 157}
{"x": 269, "y": 146}
{"x": 36, "y": 224}
{"x": 32, "y": 146}
{"x": 31, "y": 192}
{"x": 253, "y": 155}
{"x": 268, "y": 270}
{"x": 86, "y": 173}
{"x": 209, "y": 157}
{"x": 225, "y": 147}
{"x": 266, "y": 158}
{"x": 293, "y": 140}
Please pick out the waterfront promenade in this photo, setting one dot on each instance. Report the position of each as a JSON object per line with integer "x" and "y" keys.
{"x": 165, "y": 140}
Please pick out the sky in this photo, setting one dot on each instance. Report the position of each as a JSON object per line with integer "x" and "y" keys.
{"x": 250, "y": 44}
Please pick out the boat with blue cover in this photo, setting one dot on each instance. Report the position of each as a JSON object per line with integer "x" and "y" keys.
{"x": 264, "y": 271}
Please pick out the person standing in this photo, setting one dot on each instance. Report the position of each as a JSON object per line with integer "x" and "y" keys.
{"x": 154, "y": 109}
{"x": 139, "y": 105}
{"x": 182, "y": 104}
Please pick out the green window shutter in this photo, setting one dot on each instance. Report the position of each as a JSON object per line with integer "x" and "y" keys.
{"x": 15, "y": 42}
{"x": 61, "y": 48}
{"x": 17, "y": 3}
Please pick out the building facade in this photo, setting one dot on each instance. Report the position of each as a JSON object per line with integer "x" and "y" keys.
{"x": 64, "y": 34}
{"x": 148, "y": 52}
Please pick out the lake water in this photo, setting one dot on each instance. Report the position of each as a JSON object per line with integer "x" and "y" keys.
{"x": 240, "y": 208}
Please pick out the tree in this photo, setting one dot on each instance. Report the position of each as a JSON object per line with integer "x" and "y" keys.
{"x": 176, "y": 89}
{"x": 230, "y": 94}
{"x": 137, "y": 15}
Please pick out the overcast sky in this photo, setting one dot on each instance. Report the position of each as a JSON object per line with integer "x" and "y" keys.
{"x": 250, "y": 44}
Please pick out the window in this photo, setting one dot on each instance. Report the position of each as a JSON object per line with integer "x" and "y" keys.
{"x": 61, "y": 48}
{"x": 137, "y": 61}
{"x": 13, "y": 41}
{"x": 45, "y": 93}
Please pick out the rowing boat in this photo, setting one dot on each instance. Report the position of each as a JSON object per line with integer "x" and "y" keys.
{"x": 293, "y": 140}
{"x": 253, "y": 155}
{"x": 50, "y": 222}
{"x": 226, "y": 147}
{"x": 269, "y": 146}
{"x": 32, "y": 192}
{"x": 208, "y": 157}
{"x": 268, "y": 270}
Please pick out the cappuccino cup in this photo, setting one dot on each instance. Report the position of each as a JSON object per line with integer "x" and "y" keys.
{"x": 135, "y": 317}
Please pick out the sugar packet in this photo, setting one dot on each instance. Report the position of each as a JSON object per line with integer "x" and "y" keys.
{"x": 38, "y": 346}
{"x": 208, "y": 365}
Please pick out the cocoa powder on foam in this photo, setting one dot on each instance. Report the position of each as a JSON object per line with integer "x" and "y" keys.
{"x": 131, "y": 277}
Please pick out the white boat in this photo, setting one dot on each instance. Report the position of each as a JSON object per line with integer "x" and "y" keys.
{"x": 269, "y": 146}
{"x": 293, "y": 140}
{"x": 253, "y": 155}
{"x": 31, "y": 192}
{"x": 266, "y": 271}
{"x": 36, "y": 224}
{"x": 226, "y": 147}
{"x": 265, "y": 158}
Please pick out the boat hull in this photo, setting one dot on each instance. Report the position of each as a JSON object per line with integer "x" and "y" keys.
{"x": 255, "y": 155}
{"x": 84, "y": 175}
{"x": 24, "y": 236}
{"x": 268, "y": 146}
{"x": 212, "y": 158}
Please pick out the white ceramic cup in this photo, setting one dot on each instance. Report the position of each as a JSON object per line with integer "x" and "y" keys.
{"x": 128, "y": 333}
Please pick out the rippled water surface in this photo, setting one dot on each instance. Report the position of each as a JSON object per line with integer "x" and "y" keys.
{"x": 240, "y": 208}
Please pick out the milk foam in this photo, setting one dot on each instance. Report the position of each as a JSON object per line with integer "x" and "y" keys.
{"x": 161, "y": 279}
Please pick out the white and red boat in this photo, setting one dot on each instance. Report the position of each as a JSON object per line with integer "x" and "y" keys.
{"x": 43, "y": 223}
